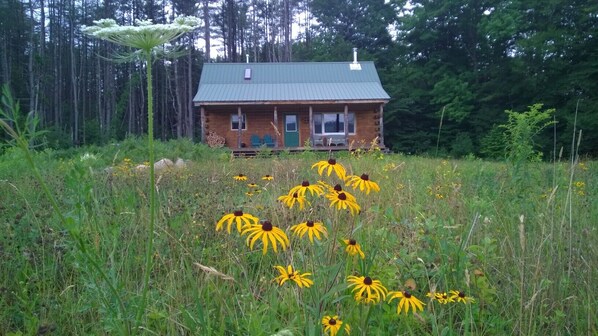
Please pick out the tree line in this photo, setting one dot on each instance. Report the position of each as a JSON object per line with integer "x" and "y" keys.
{"x": 452, "y": 67}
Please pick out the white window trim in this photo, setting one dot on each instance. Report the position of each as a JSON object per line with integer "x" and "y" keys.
{"x": 335, "y": 133}
{"x": 232, "y": 115}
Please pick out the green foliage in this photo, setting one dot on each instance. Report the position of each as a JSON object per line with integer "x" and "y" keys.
{"x": 520, "y": 132}
{"x": 445, "y": 225}
{"x": 462, "y": 145}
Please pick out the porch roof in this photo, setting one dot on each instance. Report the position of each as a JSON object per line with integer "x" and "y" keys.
{"x": 268, "y": 83}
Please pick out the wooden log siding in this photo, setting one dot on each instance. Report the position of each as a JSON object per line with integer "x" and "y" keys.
{"x": 259, "y": 120}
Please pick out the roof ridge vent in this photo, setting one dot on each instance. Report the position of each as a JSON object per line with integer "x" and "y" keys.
{"x": 355, "y": 65}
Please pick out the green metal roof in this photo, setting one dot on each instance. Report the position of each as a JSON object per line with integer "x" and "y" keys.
{"x": 223, "y": 83}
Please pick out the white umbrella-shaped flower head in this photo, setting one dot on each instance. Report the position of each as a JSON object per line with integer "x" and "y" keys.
{"x": 145, "y": 35}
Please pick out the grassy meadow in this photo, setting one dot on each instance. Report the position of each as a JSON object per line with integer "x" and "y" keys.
{"x": 517, "y": 244}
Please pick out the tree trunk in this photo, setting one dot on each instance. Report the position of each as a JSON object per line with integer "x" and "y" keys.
{"x": 206, "y": 33}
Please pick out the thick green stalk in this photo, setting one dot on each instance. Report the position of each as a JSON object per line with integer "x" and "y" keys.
{"x": 150, "y": 142}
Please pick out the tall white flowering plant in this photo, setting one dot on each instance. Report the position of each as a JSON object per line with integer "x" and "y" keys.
{"x": 145, "y": 37}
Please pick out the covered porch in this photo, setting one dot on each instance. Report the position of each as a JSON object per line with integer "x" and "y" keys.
{"x": 295, "y": 126}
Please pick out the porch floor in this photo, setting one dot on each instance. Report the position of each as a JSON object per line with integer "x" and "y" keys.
{"x": 252, "y": 151}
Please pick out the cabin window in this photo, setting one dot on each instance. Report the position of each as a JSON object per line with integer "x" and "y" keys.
{"x": 333, "y": 123}
{"x": 234, "y": 122}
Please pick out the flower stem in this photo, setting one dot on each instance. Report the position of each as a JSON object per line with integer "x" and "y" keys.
{"x": 150, "y": 144}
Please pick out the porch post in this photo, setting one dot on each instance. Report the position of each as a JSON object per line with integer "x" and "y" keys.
{"x": 381, "y": 125}
{"x": 202, "y": 119}
{"x": 311, "y": 126}
{"x": 239, "y": 132}
{"x": 346, "y": 124}
{"x": 276, "y": 127}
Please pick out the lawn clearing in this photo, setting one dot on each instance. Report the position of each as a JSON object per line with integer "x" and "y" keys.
{"x": 481, "y": 249}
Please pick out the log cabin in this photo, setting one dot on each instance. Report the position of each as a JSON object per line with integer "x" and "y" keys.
{"x": 292, "y": 105}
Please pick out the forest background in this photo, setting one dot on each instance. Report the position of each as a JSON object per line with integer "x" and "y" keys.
{"x": 452, "y": 68}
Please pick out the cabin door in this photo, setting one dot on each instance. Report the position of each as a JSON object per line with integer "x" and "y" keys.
{"x": 291, "y": 130}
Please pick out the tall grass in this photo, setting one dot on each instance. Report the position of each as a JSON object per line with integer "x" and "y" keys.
{"x": 466, "y": 225}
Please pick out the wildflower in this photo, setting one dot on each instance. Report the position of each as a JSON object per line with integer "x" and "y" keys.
{"x": 304, "y": 187}
{"x": 329, "y": 166}
{"x": 242, "y": 220}
{"x": 367, "y": 289}
{"x": 290, "y": 200}
{"x": 267, "y": 177}
{"x": 353, "y": 248}
{"x": 145, "y": 35}
{"x": 249, "y": 193}
{"x": 240, "y": 177}
{"x": 580, "y": 184}
{"x": 252, "y": 185}
{"x": 406, "y": 300}
{"x": 337, "y": 189}
{"x": 311, "y": 228}
{"x": 363, "y": 182}
{"x": 440, "y": 297}
{"x": 289, "y": 274}
{"x": 341, "y": 200}
{"x": 460, "y": 296}
{"x": 268, "y": 234}
{"x": 332, "y": 325}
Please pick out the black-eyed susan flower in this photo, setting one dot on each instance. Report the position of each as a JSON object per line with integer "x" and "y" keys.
{"x": 290, "y": 200}
{"x": 289, "y": 273}
{"x": 268, "y": 233}
{"x": 240, "y": 177}
{"x": 249, "y": 193}
{"x": 330, "y": 166}
{"x": 443, "y": 297}
{"x": 353, "y": 248}
{"x": 363, "y": 182}
{"x": 337, "y": 189}
{"x": 342, "y": 201}
{"x": 305, "y": 187}
{"x": 238, "y": 217}
{"x": 333, "y": 324}
{"x": 311, "y": 228}
{"x": 406, "y": 301}
{"x": 459, "y": 296}
{"x": 252, "y": 185}
{"x": 367, "y": 290}
{"x": 267, "y": 177}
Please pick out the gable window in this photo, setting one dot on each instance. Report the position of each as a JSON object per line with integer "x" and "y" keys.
{"x": 333, "y": 123}
{"x": 234, "y": 122}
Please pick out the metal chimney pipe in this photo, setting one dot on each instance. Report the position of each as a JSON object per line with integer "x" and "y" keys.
{"x": 247, "y": 58}
{"x": 354, "y": 55}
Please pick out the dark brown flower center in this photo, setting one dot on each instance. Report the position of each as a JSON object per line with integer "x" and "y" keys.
{"x": 342, "y": 196}
{"x": 368, "y": 281}
{"x": 295, "y": 195}
{"x": 444, "y": 296}
{"x": 238, "y": 213}
{"x": 331, "y": 161}
{"x": 332, "y": 321}
{"x": 407, "y": 295}
{"x": 310, "y": 224}
{"x": 461, "y": 294}
{"x": 267, "y": 226}
{"x": 338, "y": 188}
{"x": 305, "y": 184}
{"x": 365, "y": 177}
{"x": 352, "y": 242}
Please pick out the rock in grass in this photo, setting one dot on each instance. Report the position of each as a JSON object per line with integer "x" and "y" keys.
{"x": 163, "y": 164}
{"x": 180, "y": 163}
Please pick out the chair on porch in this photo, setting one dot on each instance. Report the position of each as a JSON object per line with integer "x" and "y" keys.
{"x": 255, "y": 141}
{"x": 268, "y": 141}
